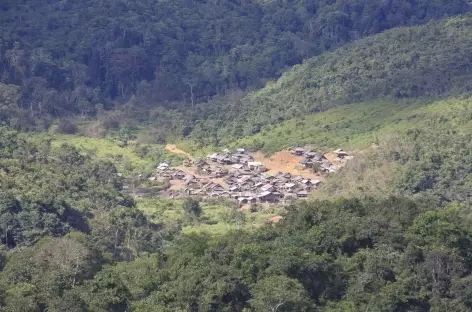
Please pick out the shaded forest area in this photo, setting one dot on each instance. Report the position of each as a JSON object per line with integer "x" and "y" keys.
{"x": 66, "y": 57}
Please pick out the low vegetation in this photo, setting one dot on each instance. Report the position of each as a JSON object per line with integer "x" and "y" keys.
{"x": 351, "y": 127}
{"x": 427, "y": 156}
{"x": 134, "y": 158}
{"x": 217, "y": 216}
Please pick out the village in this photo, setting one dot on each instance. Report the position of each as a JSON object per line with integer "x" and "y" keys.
{"x": 236, "y": 175}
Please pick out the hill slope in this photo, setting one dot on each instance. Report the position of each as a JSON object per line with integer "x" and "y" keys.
{"x": 428, "y": 61}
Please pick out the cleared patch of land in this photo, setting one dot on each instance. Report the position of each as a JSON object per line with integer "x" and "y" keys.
{"x": 285, "y": 161}
{"x": 174, "y": 149}
{"x": 218, "y": 217}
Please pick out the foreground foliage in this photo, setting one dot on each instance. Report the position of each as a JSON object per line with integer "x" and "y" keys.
{"x": 47, "y": 191}
{"x": 393, "y": 254}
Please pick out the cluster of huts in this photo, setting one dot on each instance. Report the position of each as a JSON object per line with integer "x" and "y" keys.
{"x": 239, "y": 160}
{"x": 243, "y": 179}
{"x": 265, "y": 188}
{"x": 165, "y": 171}
{"x": 312, "y": 159}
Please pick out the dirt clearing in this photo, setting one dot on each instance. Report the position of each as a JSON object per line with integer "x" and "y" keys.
{"x": 174, "y": 149}
{"x": 285, "y": 161}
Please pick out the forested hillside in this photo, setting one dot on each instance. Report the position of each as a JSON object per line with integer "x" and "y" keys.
{"x": 430, "y": 61}
{"x": 63, "y": 57}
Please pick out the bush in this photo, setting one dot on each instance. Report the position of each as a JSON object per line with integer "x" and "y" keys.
{"x": 111, "y": 122}
{"x": 94, "y": 130}
{"x": 67, "y": 126}
{"x": 191, "y": 207}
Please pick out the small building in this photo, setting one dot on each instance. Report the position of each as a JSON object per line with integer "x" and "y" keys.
{"x": 191, "y": 180}
{"x": 244, "y": 197}
{"x": 245, "y": 159}
{"x": 234, "y": 188}
{"x": 267, "y": 197}
{"x": 255, "y": 165}
{"x": 180, "y": 175}
{"x": 306, "y": 163}
{"x": 223, "y": 159}
{"x": 246, "y": 200}
{"x": 237, "y": 166}
{"x": 200, "y": 163}
{"x": 231, "y": 180}
{"x": 219, "y": 172}
{"x": 298, "y": 151}
{"x": 290, "y": 197}
{"x": 204, "y": 181}
{"x": 328, "y": 168}
{"x": 216, "y": 188}
{"x": 340, "y": 153}
{"x": 267, "y": 188}
{"x": 286, "y": 176}
{"x": 213, "y": 157}
{"x": 259, "y": 184}
{"x": 245, "y": 179}
{"x": 306, "y": 182}
{"x": 235, "y": 159}
{"x": 290, "y": 186}
{"x": 241, "y": 150}
{"x": 163, "y": 166}
{"x": 319, "y": 157}
{"x": 268, "y": 177}
{"x": 302, "y": 194}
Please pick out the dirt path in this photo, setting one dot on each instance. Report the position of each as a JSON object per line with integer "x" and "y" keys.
{"x": 174, "y": 149}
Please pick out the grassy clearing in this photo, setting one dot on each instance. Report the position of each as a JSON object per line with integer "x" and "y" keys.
{"x": 218, "y": 217}
{"x": 133, "y": 158}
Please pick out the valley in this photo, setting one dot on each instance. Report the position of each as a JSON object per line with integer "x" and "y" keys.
{"x": 254, "y": 156}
